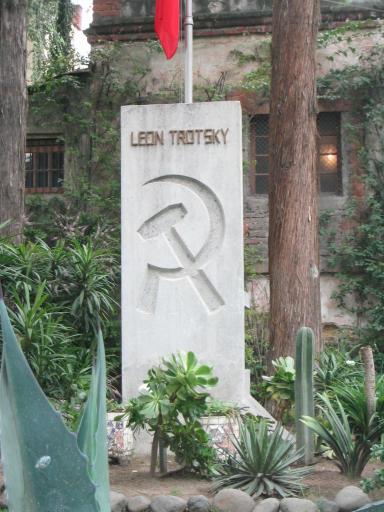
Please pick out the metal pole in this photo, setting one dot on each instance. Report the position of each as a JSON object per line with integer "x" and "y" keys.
{"x": 188, "y": 44}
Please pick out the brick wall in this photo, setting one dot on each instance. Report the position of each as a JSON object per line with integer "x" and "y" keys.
{"x": 106, "y": 9}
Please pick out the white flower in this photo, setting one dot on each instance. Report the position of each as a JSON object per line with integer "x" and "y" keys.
{"x": 350, "y": 363}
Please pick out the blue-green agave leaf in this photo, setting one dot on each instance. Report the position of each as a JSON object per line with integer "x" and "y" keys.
{"x": 43, "y": 467}
{"x": 92, "y": 433}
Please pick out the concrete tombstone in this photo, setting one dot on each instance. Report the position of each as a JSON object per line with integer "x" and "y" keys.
{"x": 182, "y": 241}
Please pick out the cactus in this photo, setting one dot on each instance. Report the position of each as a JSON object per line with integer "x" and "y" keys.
{"x": 304, "y": 391}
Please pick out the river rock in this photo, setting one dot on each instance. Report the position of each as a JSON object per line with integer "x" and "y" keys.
{"x": 118, "y": 501}
{"x": 351, "y": 498}
{"x": 297, "y": 505}
{"x": 198, "y": 504}
{"x": 138, "y": 504}
{"x": 233, "y": 500}
{"x": 327, "y": 505}
{"x": 267, "y": 505}
{"x": 168, "y": 504}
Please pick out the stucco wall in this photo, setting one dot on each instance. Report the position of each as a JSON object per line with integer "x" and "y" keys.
{"x": 143, "y": 8}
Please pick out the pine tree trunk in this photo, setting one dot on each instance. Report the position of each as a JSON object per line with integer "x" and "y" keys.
{"x": 293, "y": 196}
{"x": 369, "y": 379}
{"x": 13, "y": 104}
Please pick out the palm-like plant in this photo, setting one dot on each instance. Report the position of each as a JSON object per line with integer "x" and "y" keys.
{"x": 24, "y": 263}
{"x": 350, "y": 437}
{"x": 47, "y": 343}
{"x": 87, "y": 280}
{"x": 261, "y": 464}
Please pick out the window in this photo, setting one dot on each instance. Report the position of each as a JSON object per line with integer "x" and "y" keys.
{"x": 329, "y": 169}
{"x": 44, "y": 166}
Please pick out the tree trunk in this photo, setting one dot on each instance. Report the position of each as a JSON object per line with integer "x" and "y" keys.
{"x": 154, "y": 452}
{"x": 12, "y": 114}
{"x": 369, "y": 379}
{"x": 293, "y": 196}
{"x": 163, "y": 466}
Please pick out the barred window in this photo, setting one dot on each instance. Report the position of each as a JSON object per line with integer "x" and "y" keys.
{"x": 329, "y": 161}
{"x": 44, "y": 166}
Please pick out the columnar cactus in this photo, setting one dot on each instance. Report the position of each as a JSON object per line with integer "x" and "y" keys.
{"x": 304, "y": 403}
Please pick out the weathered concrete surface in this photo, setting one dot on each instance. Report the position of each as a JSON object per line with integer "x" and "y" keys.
{"x": 182, "y": 246}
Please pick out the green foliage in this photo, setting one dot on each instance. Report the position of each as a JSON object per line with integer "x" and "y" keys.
{"x": 251, "y": 259}
{"x": 49, "y": 30}
{"x": 344, "y": 33}
{"x": 57, "y": 296}
{"x": 377, "y": 481}
{"x": 48, "y": 344}
{"x": 218, "y": 408}
{"x": 92, "y": 432}
{"x": 256, "y": 347}
{"x": 88, "y": 283}
{"x": 262, "y": 463}
{"x": 359, "y": 256}
{"x": 258, "y": 79}
{"x": 350, "y": 437}
{"x": 280, "y": 387}
{"x": 335, "y": 365}
{"x": 170, "y": 406}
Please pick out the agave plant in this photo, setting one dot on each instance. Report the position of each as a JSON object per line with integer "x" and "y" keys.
{"x": 262, "y": 463}
{"x": 46, "y": 466}
{"x": 350, "y": 444}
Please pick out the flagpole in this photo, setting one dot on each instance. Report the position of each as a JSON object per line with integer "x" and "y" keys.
{"x": 188, "y": 44}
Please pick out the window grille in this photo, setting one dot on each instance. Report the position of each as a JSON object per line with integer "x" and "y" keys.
{"x": 44, "y": 166}
{"x": 329, "y": 161}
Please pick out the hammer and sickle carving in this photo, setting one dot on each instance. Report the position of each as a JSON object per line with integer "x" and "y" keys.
{"x": 191, "y": 267}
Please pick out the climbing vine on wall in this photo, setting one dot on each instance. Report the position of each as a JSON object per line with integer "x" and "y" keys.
{"x": 49, "y": 33}
{"x": 359, "y": 255}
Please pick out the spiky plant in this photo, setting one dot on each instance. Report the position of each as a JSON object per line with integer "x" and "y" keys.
{"x": 262, "y": 463}
{"x": 351, "y": 445}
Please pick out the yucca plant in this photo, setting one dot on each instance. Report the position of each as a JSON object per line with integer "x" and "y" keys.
{"x": 351, "y": 446}
{"x": 87, "y": 280}
{"x": 262, "y": 463}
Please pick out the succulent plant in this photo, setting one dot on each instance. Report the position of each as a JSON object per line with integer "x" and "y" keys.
{"x": 262, "y": 463}
{"x": 304, "y": 400}
{"x": 47, "y": 467}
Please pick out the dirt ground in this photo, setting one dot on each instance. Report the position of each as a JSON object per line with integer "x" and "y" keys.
{"x": 134, "y": 479}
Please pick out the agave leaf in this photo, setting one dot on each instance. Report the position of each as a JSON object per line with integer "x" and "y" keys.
{"x": 92, "y": 433}
{"x": 43, "y": 467}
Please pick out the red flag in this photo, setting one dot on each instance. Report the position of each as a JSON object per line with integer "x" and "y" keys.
{"x": 167, "y": 25}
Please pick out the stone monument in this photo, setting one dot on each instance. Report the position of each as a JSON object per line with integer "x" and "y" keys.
{"x": 182, "y": 241}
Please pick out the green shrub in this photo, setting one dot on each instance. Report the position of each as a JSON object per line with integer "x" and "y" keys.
{"x": 349, "y": 437}
{"x": 377, "y": 481}
{"x": 335, "y": 365}
{"x": 262, "y": 463}
{"x": 57, "y": 295}
{"x": 170, "y": 407}
{"x": 280, "y": 387}
{"x": 256, "y": 347}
